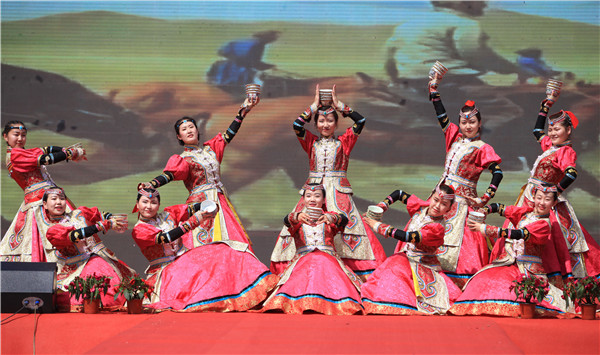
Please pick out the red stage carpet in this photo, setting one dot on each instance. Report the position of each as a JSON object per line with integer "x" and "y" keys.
{"x": 232, "y": 333}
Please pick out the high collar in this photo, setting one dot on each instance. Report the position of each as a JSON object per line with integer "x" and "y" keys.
{"x": 190, "y": 147}
{"x": 565, "y": 143}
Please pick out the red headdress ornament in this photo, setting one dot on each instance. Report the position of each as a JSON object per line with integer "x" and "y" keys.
{"x": 566, "y": 115}
{"x": 474, "y": 111}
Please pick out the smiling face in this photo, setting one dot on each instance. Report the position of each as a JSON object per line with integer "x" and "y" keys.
{"x": 558, "y": 133}
{"x": 326, "y": 125}
{"x": 16, "y": 138}
{"x": 469, "y": 127}
{"x": 148, "y": 207}
{"x": 55, "y": 205}
{"x": 314, "y": 198}
{"x": 188, "y": 133}
{"x": 543, "y": 202}
{"x": 438, "y": 206}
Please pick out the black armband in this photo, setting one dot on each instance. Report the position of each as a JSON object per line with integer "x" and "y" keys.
{"x": 540, "y": 123}
{"x": 52, "y": 149}
{"x": 342, "y": 220}
{"x": 82, "y": 233}
{"x": 497, "y": 176}
{"x": 440, "y": 111}
{"x": 359, "y": 121}
{"x": 106, "y": 215}
{"x": 515, "y": 234}
{"x": 495, "y": 208}
{"x": 299, "y": 123}
{"x": 162, "y": 179}
{"x": 570, "y": 176}
{"x": 52, "y": 158}
{"x": 193, "y": 208}
{"x": 170, "y": 236}
{"x": 397, "y": 195}
{"x": 407, "y": 237}
{"x": 233, "y": 128}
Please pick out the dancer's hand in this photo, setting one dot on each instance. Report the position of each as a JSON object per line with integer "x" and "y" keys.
{"x": 337, "y": 103}
{"x": 305, "y": 219}
{"x": 144, "y": 185}
{"x": 473, "y": 226}
{"x": 316, "y": 102}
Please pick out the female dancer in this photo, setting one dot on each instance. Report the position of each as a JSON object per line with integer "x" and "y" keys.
{"x": 464, "y": 252}
{"x": 316, "y": 279}
{"x": 329, "y": 157}
{"x": 25, "y": 238}
{"x": 79, "y": 249}
{"x": 221, "y": 276}
{"x": 199, "y": 167}
{"x": 519, "y": 253}
{"x": 411, "y": 281}
{"x": 556, "y": 166}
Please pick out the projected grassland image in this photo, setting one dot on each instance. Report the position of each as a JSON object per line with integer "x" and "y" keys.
{"x": 115, "y": 76}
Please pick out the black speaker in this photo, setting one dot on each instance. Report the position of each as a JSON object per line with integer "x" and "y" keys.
{"x": 33, "y": 282}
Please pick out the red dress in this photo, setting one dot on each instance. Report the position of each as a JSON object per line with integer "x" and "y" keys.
{"x": 464, "y": 252}
{"x": 582, "y": 254}
{"x": 25, "y": 239}
{"x": 85, "y": 257}
{"x": 488, "y": 292}
{"x": 221, "y": 276}
{"x": 357, "y": 245}
{"x": 316, "y": 279}
{"x": 200, "y": 170}
{"x": 411, "y": 281}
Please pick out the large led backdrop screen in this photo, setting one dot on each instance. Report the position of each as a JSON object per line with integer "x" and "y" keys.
{"x": 115, "y": 76}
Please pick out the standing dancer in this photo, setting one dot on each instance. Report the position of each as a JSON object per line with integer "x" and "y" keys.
{"x": 221, "y": 276}
{"x": 464, "y": 252}
{"x": 316, "y": 279}
{"x": 411, "y": 281}
{"x": 519, "y": 253}
{"x": 80, "y": 250}
{"x": 328, "y": 158}
{"x": 25, "y": 238}
{"x": 556, "y": 166}
{"x": 199, "y": 167}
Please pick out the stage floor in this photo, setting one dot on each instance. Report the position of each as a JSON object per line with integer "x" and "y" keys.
{"x": 254, "y": 333}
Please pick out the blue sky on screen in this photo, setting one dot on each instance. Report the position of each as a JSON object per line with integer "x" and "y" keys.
{"x": 347, "y": 12}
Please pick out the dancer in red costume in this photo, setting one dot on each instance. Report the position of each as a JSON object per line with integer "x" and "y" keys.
{"x": 199, "y": 167}
{"x": 80, "y": 250}
{"x": 519, "y": 253}
{"x": 556, "y": 166}
{"x": 411, "y": 281}
{"x": 467, "y": 156}
{"x": 25, "y": 238}
{"x": 316, "y": 279}
{"x": 328, "y": 159}
{"x": 220, "y": 276}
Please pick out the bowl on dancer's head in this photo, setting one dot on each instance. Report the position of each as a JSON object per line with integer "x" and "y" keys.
{"x": 252, "y": 91}
{"x": 375, "y": 212}
{"x": 477, "y": 217}
{"x": 326, "y": 96}
{"x": 314, "y": 212}
{"x": 208, "y": 206}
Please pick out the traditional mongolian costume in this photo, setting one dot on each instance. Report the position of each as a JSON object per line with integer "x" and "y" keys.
{"x": 556, "y": 166}
{"x": 519, "y": 253}
{"x": 220, "y": 276}
{"x": 357, "y": 245}
{"x": 25, "y": 238}
{"x": 316, "y": 279}
{"x": 464, "y": 252}
{"x": 81, "y": 252}
{"x": 411, "y": 281}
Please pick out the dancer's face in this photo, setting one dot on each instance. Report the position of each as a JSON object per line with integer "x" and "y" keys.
{"x": 469, "y": 127}
{"x": 55, "y": 205}
{"x": 148, "y": 207}
{"x": 314, "y": 198}
{"x": 188, "y": 133}
{"x": 558, "y": 133}
{"x": 16, "y": 138}
{"x": 543, "y": 202}
{"x": 438, "y": 206}
{"x": 326, "y": 125}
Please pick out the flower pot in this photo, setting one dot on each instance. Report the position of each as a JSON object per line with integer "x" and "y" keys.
{"x": 527, "y": 310}
{"x": 588, "y": 311}
{"x": 91, "y": 306}
{"x": 134, "y": 306}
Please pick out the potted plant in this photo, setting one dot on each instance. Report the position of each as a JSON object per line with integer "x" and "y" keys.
{"x": 529, "y": 289}
{"x": 583, "y": 292}
{"x": 89, "y": 289}
{"x": 134, "y": 289}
